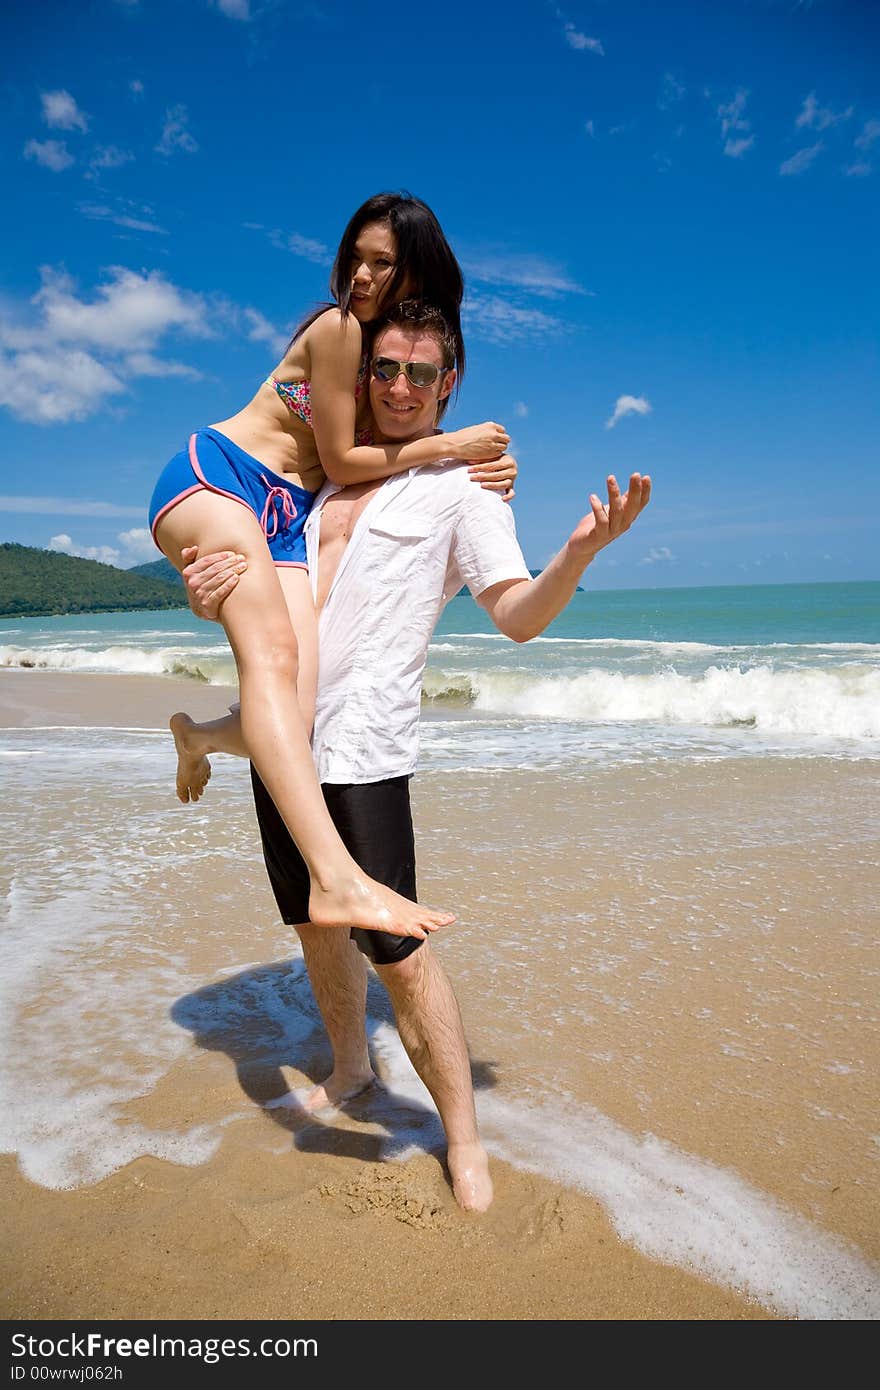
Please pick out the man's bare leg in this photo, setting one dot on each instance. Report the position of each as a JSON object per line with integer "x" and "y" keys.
{"x": 338, "y": 973}
{"x": 432, "y": 1032}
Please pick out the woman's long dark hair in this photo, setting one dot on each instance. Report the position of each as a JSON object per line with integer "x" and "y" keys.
{"x": 426, "y": 265}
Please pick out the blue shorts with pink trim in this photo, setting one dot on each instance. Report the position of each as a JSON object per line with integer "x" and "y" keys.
{"x": 212, "y": 463}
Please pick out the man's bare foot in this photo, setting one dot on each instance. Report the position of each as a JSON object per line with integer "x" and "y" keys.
{"x": 193, "y": 768}
{"x": 339, "y": 1087}
{"x": 469, "y": 1170}
{"x": 361, "y": 902}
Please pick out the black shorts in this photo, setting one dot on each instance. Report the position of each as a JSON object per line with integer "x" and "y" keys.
{"x": 374, "y": 821}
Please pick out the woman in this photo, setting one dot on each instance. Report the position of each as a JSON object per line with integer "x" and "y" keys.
{"x": 246, "y": 485}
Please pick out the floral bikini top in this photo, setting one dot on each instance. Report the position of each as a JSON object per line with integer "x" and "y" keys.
{"x": 297, "y": 396}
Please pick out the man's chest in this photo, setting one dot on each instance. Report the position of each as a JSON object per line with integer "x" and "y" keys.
{"x": 393, "y": 538}
{"x": 338, "y": 519}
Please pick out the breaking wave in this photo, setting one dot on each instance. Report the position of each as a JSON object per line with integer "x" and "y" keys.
{"x": 842, "y": 702}
{"x": 213, "y": 667}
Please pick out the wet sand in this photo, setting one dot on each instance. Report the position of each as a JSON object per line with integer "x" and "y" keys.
{"x": 704, "y": 935}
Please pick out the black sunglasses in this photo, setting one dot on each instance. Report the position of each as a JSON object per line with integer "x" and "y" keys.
{"x": 419, "y": 374}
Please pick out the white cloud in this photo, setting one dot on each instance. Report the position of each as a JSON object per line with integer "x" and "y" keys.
{"x": 98, "y": 212}
{"x": 76, "y": 392}
{"x": 870, "y": 133}
{"x": 136, "y": 87}
{"x": 304, "y": 246}
{"x": 64, "y": 506}
{"x": 521, "y": 410}
{"x": 658, "y": 554}
{"x": 260, "y": 330}
{"x": 671, "y": 92}
{"x": 509, "y": 317}
{"x": 575, "y": 39}
{"x": 234, "y": 9}
{"x": 109, "y": 157}
{"x": 104, "y": 554}
{"x": 136, "y": 546}
{"x": 130, "y": 312}
{"x": 732, "y": 114}
{"x": 816, "y": 117}
{"x": 175, "y": 133}
{"x": 102, "y": 340}
{"x": 737, "y": 148}
{"x": 590, "y": 128}
{"x": 628, "y": 405}
{"x": 93, "y": 346}
{"x": 107, "y": 340}
{"x": 735, "y": 125}
{"x": 61, "y": 112}
{"x": 147, "y": 364}
{"x": 802, "y": 160}
{"x": 860, "y": 169}
{"x": 498, "y": 321}
{"x": 52, "y": 154}
{"x": 524, "y": 272}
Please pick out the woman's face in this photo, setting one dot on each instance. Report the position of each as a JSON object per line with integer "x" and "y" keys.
{"x": 372, "y": 270}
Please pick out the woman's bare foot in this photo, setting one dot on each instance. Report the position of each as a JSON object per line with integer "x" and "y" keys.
{"x": 361, "y": 902}
{"x": 469, "y": 1170}
{"x": 193, "y": 768}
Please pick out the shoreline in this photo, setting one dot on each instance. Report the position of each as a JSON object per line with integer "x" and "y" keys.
{"x": 115, "y": 701}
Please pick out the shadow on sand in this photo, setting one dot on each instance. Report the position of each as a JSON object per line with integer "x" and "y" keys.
{"x": 266, "y": 1018}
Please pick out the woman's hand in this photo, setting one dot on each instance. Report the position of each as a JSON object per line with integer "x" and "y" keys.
{"x": 497, "y": 476}
{"x": 210, "y": 579}
{"x": 478, "y": 442}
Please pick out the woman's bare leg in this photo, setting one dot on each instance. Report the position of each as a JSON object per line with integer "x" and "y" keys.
{"x": 195, "y": 742}
{"x": 257, "y": 624}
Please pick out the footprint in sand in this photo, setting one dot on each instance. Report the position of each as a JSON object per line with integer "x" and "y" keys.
{"x": 390, "y": 1191}
{"x": 543, "y": 1223}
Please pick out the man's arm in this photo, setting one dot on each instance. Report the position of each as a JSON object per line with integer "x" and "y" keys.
{"x": 210, "y": 579}
{"x": 522, "y": 608}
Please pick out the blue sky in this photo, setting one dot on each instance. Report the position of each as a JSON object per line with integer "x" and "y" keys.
{"x": 666, "y": 212}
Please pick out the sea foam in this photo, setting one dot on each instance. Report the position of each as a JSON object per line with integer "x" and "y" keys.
{"x": 841, "y": 702}
{"x": 214, "y": 665}
{"x": 673, "y": 1206}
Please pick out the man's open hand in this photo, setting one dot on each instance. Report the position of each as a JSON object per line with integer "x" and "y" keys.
{"x": 606, "y": 521}
{"x": 210, "y": 580}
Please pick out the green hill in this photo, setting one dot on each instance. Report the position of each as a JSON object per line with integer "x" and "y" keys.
{"x": 34, "y": 583}
{"x": 158, "y": 569}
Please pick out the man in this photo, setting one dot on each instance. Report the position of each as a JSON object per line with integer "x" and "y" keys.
{"x": 384, "y": 558}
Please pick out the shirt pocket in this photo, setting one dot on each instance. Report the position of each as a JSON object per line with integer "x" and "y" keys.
{"x": 404, "y": 556}
{"x": 402, "y": 528}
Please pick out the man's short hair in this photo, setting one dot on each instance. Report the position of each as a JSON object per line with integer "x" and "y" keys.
{"x": 418, "y": 317}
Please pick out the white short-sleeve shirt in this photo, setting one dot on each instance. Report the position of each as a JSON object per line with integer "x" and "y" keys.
{"x": 421, "y": 536}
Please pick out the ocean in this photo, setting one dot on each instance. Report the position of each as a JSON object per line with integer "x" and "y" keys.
{"x": 677, "y": 673}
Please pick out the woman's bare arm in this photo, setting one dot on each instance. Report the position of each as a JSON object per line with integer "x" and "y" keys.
{"x": 335, "y": 350}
